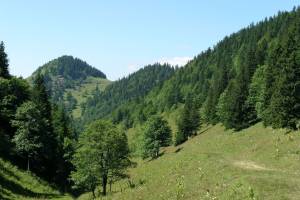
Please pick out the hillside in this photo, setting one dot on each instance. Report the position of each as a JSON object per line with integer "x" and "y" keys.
{"x": 18, "y": 184}
{"x": 71, "y": 80}
{"x": 249, "y": 76}
{"x": 256, "y": 163}
{"x": 128, "y": 90}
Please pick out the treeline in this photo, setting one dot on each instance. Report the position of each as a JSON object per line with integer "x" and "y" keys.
{"x": 34, "y": 133}
{"x": 252, "y": 75}
{"x": 64, "y": 73}
{"x": 128, "y": 90}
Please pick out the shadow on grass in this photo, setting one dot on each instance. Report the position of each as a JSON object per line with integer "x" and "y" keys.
{"x": 159, "y": 155}
{"x": 205, "y": 130}
{"x": 178, "y": 150}
{"x": 22, "y": 191}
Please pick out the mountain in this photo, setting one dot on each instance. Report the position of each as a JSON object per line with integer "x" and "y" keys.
{"x": 250, "y": 76}
{"x": 71, "y": 80}
{"x": 130, "y": 89}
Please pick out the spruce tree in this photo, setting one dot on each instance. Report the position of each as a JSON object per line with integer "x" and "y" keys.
{"x": 189, "y": 120}
{"x": 49, "y": 140}
{"x": 284, "y": 109}
{"x": 4, "y": 73}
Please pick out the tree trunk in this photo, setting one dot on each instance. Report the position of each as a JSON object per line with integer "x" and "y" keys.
{"x": 110, "y": 183}
{"x": 28, "y": 164}
{"x": 94, "y": 195}
{"x": 104, "y": 183}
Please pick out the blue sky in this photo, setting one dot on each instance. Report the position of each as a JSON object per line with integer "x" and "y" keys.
{"x": 118, "y": 37}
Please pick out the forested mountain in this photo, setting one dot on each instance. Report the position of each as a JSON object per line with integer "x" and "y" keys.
{"x": 126, "y": 90}
{"x": 249, "y": 76}
{"x": 65, "y": 76}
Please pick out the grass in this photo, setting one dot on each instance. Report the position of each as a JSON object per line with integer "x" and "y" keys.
{"x": 255, "y": 163}
{"x": 82, "y": 92}
{"x": 18, "y": 184}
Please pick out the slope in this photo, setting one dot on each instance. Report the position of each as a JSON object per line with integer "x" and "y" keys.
{"x": 17, "y": 184}
{"x": 116, "y": 98}
{"x": 239, "y": 81}
{"x": 70, "y": 81}
{"x": 256, "y": 163}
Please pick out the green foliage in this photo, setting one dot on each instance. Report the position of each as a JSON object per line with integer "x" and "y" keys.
{"x": 156, "y": 134}
{"x": 283, "y": 109}
{"x": 4, "y": 73}
{"x": 102, "y": 154}
{"x": 29, "y": 124}
{"x": 125, "y": 94}
{"x": 257, "y": 91}
{"x": 189, "y": 121}
{"x": 66, "y": 141}
{"x": 13, "y": 92}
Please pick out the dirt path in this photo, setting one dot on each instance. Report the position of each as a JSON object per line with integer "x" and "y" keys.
{"x": 250, "y": 165}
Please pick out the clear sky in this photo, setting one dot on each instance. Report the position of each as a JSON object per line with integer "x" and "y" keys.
{"x": 118, "y": 37}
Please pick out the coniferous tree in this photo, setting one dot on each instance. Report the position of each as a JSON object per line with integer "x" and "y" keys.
{"x": 66, "y": 140}
{"x": 49, "y": 140}
{"x": 284, "y": 108}
{"x": 189, "y": 120}
{"x": 4, "y": 73}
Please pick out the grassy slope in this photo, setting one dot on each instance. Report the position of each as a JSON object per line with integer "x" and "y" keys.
{"x": 82, "y": 92}
{"x": 17, "y": 184}
{"x": 256, "y": 163}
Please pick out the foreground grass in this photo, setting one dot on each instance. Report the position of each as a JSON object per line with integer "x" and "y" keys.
{"x": 256, "y": 163}
{"x": 18, "y": 184}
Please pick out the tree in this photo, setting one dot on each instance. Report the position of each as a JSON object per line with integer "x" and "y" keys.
{"x": 157, "y": 134}
{"x": 28, "y": 122}
{"x": 4, "y": 73}
{"x": 13, "y": 92}
{"x": 189, "y": 120}
{"x": 50, "y": 145}
{"x": 65, "y": 145}
{"x": 102, "y": 151}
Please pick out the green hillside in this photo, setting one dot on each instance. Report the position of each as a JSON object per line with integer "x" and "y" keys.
{"x": 71, "y": 80}
{"x": 249, "y": 76}
{"x": 256, "y": 163}
{"x": 18, "y": 184}
{"x": 117, "y": 98}
{"x": 85, "y": 90}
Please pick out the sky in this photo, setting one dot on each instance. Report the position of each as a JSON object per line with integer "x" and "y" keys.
{"x": 119, "y": 37}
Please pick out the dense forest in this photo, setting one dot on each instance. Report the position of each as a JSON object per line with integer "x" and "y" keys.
{"x": 250, "y": 76}
{"x": 131, "y": 89}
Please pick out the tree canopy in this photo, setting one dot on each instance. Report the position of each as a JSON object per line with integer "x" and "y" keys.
{"x": 102, "y": 154}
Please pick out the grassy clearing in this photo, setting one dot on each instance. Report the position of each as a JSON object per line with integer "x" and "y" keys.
{"x": 82, "y": 92}
{"x": 18, "y": 184}
{"x": 256, "y": 163}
